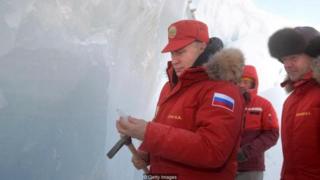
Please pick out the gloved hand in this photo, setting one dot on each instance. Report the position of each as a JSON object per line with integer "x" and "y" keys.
{"x": 241, "y": 156}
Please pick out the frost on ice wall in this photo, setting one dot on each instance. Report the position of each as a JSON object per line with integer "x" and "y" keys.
{"x": 66, "y": 66}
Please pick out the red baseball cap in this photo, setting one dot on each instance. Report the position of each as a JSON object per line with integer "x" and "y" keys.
{"x": 184, "y": 32}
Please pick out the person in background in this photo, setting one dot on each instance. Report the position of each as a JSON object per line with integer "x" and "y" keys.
{"x": 195, "y": 132}
{"x": 300, "y": 124}
{"x": 261, "y": 129}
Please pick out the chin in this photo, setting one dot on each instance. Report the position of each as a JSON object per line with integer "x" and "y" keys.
{"x": 294, "y": 78}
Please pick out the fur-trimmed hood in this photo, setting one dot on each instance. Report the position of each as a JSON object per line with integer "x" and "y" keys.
{"x": 250, "y": 71}
{"x": 226, "y": 64}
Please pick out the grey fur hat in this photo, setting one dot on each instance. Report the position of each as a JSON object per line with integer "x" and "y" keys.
{"x": 289, "y": 41}
{"x": 313, "y": 48}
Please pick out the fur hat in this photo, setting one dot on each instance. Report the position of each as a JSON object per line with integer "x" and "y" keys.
{"x": 289, "y": 41}
{"x": 313, "y": 48}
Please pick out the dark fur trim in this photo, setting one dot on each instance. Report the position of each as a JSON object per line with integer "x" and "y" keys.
{"x": 215, "y": 44}
{"x": 288, "y": 86}
{"x": 316, "y": 76}
{"x": 286, "y": 42}
{"x": 313, "y": 48}
{"x": 316, "y": 69}
{"x": 226, "y": 64}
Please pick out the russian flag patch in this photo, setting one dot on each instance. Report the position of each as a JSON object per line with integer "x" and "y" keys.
{"x": 223, "y": 101}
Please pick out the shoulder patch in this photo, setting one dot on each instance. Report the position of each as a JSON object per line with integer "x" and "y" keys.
{"x": 223, "y": 101}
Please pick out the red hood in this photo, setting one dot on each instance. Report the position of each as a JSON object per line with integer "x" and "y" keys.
{"x": 250, "y": 72}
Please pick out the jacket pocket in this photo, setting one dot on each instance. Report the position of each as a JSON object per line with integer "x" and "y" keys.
{"x": 307, "y": 135}
{"x": 307, "y": 127}
{"x": 253, "y": 120}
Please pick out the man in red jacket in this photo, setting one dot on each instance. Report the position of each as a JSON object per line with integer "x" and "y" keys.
{"x": 261, "y": 129}
{"x": 300, "y": 125}
{"x": 195, "y": 133}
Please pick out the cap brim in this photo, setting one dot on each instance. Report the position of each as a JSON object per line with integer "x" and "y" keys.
{"x": 174, "y": 45}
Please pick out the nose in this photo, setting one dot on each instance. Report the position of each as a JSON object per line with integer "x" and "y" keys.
{"x": 175, "y": 59}
{"x": 287, "y": 63}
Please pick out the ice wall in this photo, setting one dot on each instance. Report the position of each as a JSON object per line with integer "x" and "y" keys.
{"x": 66, "y": 66}
{"x": 53, "y": 80}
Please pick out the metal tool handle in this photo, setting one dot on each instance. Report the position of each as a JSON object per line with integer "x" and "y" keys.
{"x": 118, "y": 146}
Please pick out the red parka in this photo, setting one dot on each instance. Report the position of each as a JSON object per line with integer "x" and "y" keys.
{"x": 261, "y": 129}
{"x": 196, "y": 130}
{"x": 300, "y": 130}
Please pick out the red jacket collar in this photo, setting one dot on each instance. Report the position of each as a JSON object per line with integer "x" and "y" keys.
{"x": 298, "y": 83}
{"x": 189, "y": 76}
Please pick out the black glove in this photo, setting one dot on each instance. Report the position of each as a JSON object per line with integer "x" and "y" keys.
{"x": 241, "y": 156}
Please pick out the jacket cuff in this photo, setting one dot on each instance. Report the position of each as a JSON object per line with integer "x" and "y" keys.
{"x": 154, "y": 136}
